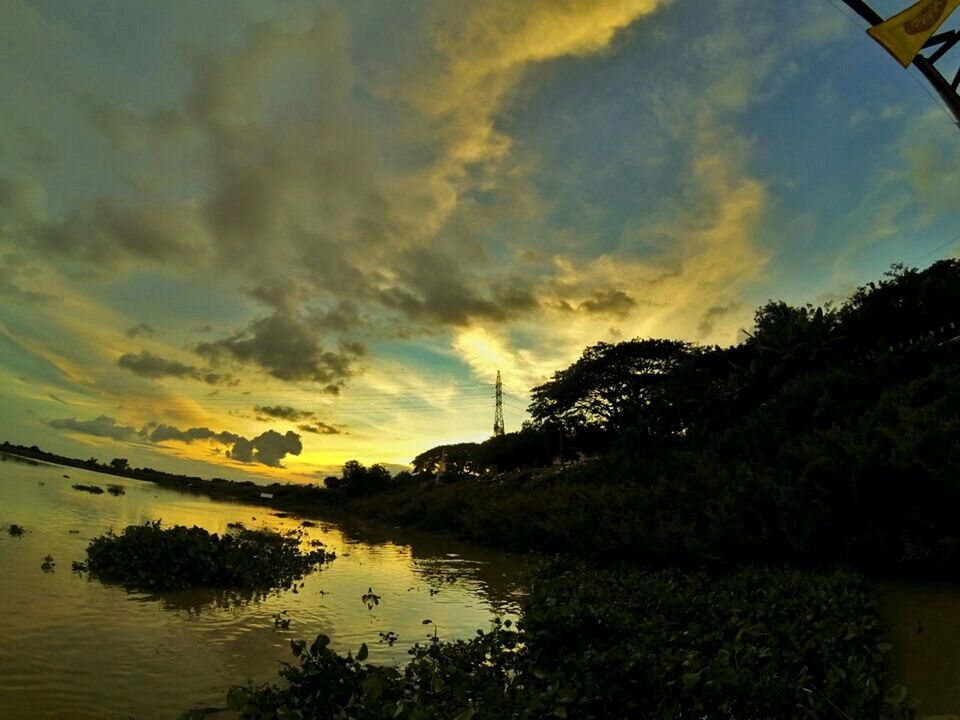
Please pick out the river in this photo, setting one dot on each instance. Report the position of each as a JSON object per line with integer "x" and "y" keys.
{"x": 71, "y": 647}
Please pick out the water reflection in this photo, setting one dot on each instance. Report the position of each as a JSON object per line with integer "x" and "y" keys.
{"x": 77, "y": 648}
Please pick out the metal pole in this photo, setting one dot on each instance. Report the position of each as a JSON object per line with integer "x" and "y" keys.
{"x": 947, "y": 93}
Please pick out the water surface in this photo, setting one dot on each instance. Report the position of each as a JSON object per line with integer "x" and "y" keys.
{"x": 75, "y": 647}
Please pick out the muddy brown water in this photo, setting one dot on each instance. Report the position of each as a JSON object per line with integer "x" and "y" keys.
{"x": 71, "y": 647}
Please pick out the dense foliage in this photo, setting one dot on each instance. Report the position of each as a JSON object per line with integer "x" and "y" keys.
{"x": 625, "y": 644}
{"x": 148, "y": 557}
{"x": 829, "y": 436}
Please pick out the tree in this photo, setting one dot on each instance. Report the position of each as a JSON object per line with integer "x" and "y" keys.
{"x": 460, "y": 459}
{"x": 120, "y": 464}
{"x": 356, "y": 479}
{"x": 611, "y": 387}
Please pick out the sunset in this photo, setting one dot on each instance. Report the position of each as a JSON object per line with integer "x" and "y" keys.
{"x": 356, "y": 213}
{"x": 487, "y": 269}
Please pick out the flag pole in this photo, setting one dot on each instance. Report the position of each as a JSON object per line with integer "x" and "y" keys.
{"x": 946, "y": 90}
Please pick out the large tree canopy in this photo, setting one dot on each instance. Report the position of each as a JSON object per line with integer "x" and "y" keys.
{"x": 611, "y": 386}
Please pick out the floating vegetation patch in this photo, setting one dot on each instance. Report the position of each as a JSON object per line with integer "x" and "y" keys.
{"x": 78, "y": 567}
{"x": 236, "y": 526}
{"x": 370, "y": 598}
{"x": 116, "y": 490}
{"x": 93, "y": 489}
{"x": 308, "y": 524}
{"x": 149, "y": 557}
{"x": 16, "y": 530}
{"x": 48, "y": 564}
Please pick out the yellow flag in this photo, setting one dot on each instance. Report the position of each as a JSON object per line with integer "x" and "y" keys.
{"x": 905, "y": 33}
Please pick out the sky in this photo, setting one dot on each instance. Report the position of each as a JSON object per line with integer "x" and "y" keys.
{"x": 255, "y": 239}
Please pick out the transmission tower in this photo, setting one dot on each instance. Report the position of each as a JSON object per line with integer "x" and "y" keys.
{"x": 498, "y": 413}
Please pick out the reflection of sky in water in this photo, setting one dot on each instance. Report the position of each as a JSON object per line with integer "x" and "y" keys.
{"x": 74, "y": 647}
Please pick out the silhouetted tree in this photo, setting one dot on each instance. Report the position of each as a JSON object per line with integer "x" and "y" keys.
{"x": 611, "y": 386}
{"x": 356, "y": 479}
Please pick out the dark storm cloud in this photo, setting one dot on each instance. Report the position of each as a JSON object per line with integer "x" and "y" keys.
{"x": 102, "y": 426}
{"x": 146, "y": 364}
{"x": 141, "y": 329}
{"x": 288, "y": 349}
{"x": 713, "y": 314}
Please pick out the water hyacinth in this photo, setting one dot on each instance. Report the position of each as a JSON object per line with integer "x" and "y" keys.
{"x": 149, "y": 557}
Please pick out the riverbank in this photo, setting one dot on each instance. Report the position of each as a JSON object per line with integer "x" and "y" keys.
{"x": 600, "y": 617}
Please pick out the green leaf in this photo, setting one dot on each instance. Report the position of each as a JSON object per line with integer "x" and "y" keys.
{"x": 466, "y": 714}
{"x": 363, "y": 652}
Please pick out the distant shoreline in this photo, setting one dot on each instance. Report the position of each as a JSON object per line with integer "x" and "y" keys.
{"x": 282, "y": 496}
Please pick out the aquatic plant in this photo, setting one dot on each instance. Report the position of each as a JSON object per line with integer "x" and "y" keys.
{"x": 48, "y": 564}
{"x": 280, "y": 622}
{"x": 93, "y": 489}
{"x": 116, "y": 490}
{"x": 149, "y": 557}
{"x": 370, "y": 598}
{"x": 759, "y": 643}
{"x": 78, "y": 566}
{"x": 16, "y": 530}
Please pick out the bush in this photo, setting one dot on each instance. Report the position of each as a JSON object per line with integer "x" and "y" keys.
{"x": 148, "y": 557}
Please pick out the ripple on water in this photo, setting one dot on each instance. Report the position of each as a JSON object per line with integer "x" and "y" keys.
{"x": 74, "y": 648}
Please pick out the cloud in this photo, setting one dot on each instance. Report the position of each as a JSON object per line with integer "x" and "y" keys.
{"x": 283, "y": 412}
{"x": 146, "y": 364}
{"x": 609, "y": 302}
{"x": 715, "y": 313}
{"x": 108, "y": 231}
{"x": 102, "y": 426}
{"x": 363, "y": 204}
{"x": 141, "y": 329}
{"x": 319, "y": 428}
{"x": 268, "y": 448}
{"x": 162, "y": 433}
{"x": 288, "y": 349}
{"x": 16, "y": 271}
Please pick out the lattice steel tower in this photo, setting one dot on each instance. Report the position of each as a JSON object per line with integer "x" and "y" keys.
{"x": 498, "y": 413}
